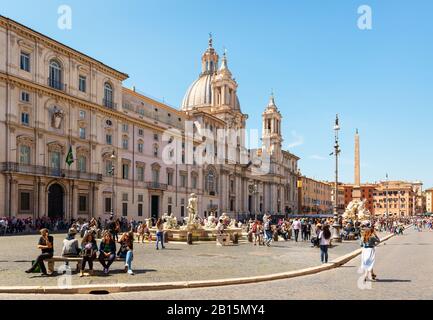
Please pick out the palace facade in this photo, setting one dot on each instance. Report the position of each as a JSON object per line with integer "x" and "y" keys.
{"x": 58, "y": 104}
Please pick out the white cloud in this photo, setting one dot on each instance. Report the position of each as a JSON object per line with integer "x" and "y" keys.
{"x": 316, "y": 157}
{"x": 298, "y": 140}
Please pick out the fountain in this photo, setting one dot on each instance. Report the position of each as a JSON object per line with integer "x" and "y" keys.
{"x": 198, "y": 231}
{"x": 356, "y": 210}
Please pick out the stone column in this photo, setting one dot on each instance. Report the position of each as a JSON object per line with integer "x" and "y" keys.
{"x": 356, "y": 193}
{"x": 96, "y": 206}
{"x": 14, "y": 197}
{"x": 42, "y": 198}
{"x": 7, "y": 194}
{"x": 74, "y": 194}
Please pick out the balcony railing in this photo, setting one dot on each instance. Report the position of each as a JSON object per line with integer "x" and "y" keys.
{"x": 58, "y": 85}
{"x": 109, "y": 104}
{"x": 47, "y": 171}
{"x": 156, "y": 186}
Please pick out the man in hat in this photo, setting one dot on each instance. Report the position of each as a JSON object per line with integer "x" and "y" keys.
{"x": 71, "y": 247}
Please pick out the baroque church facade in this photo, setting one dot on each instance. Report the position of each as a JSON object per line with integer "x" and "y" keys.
{"x": 76, "y": 143}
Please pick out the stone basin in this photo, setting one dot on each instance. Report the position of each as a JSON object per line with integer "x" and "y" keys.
{"x": 197, "y": 234}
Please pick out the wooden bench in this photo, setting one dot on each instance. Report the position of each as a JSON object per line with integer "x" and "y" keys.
{"x": 78, "y": 260}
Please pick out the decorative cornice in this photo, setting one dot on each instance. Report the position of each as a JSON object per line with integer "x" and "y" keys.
{"x": 59, "y": 48}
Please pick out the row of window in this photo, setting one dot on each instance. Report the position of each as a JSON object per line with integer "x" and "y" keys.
{"x": 55, "y": 79}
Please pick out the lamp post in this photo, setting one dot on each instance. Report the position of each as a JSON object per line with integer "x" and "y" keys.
{"x": 386, "y": 196}
{"x": 113, "y": 158}
{"x": 336, "y": 225}
{"x": 256, "y": 193}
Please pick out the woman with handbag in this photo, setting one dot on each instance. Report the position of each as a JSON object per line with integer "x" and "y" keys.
{"x": 369, "y": 241}
{"x": 88, "y": 252}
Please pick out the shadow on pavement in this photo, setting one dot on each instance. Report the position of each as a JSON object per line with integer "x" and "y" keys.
{"x": 392, "y": 280}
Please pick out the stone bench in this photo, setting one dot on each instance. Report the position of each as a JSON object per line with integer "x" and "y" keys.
{"x": 78, "y": 260}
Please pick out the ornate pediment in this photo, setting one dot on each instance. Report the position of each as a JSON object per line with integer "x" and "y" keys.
{"x": 56, "y": 146}
{"x": 156, "y": 166}
{"x": 81, "y": 150}
{"x": 83, "y": 68}
{"x": 25, "y": 140}
{"x": 107, "y": 152}
{"x": 26, "y": 45}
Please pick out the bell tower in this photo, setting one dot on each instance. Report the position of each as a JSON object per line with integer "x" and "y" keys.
{"x": 272, "y": 127}
{"x": 224, "y": 88}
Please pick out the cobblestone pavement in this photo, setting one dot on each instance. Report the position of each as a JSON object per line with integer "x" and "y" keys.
{"x": 178, "y": 262}
{"x": 403, "y": 264}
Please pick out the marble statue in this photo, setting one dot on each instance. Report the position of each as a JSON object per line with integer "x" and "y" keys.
{"x": 211, "y": 222}
{"x": 192, "y": 221}
{"x": 226, "y": 219}
{"x": 192, "y": 208}
{"x": 57, "y": 118}
{"x": 356, "y": 210}
{"x": 170, "y": 222}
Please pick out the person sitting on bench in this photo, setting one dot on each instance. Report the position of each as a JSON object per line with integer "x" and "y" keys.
{"x": 70, "y": 245}
{"x": 125, "y": 251}
{"x": 107, "y": 251}
{"x": 46, "y": 246}
{"x": 88, "y": 252}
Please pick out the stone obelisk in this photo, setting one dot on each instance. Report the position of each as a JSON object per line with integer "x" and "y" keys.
{"x": 356, "y": 193}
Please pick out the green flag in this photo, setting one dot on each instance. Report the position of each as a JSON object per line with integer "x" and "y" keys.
{"x": 70, "y": 157}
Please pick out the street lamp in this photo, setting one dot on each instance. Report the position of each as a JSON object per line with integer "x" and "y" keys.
{"x": 256, "y": 193}
{"x": 336, "y": 225}
{"x": 113, "y": 158}
{"x": 386, "y": 193}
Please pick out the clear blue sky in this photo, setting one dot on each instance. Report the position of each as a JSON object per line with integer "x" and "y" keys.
{"x": 310, "y": 52}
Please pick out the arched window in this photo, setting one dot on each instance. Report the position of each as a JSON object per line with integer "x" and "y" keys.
{"x": 82, "y": 162}
{"x": 108, "y": 95}
{"x": 55, "y": 75}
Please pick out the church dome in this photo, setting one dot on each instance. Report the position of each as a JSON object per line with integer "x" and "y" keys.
{"x": 199, "y": 93}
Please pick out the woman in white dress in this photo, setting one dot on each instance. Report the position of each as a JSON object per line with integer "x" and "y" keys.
{"x": 369, "y": 240}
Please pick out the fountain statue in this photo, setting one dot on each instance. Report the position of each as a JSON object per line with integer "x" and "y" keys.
{"x": 192, "y": 222}
{"x": 170, "y": 221}
{"x": 226, "y": 219}
{"x": 356, "y": 210}
{"x": 211, "y": 222}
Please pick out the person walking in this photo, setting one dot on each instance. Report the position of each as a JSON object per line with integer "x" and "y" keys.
{"x": 255, "y": 232}
{"x": 267, "y": 229}
{"x": 369, "y": 240}
{"x": 159, "y": 234}
{"x": 303, "y": 230}
{"x": 47, "y": 251}
{"x": 324, "y": 242}
{"x": 296, "y": 226}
